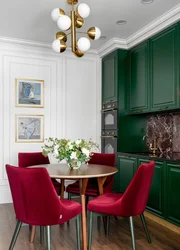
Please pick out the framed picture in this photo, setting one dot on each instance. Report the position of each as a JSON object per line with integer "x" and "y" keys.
{"x": 29, "y": 93}
{"x": 29, "y": 128}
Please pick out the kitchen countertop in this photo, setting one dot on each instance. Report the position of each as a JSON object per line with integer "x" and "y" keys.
{"x": 170, "y": 156}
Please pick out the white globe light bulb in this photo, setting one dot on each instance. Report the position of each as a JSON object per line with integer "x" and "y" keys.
{"x": 56, "y": 46}
{"x": 83, "y": 10}
{"x": 97, "y": 33}
{"x": 56, "y": 13}
{"x": 64, "y": 22}
{"x": 83, "y": 44}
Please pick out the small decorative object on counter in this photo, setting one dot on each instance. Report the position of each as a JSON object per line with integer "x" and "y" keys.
{"x": 74, "y": 152}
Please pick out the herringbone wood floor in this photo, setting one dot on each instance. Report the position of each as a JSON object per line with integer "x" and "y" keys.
{"x": 64, "y": 237}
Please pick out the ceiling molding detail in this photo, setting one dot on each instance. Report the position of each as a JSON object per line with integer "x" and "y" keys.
{"x": 154, "y": 27}
{"x": 111, "y": 45}
{"x": 38, "y": 44}
{"x": 149, "y": 30}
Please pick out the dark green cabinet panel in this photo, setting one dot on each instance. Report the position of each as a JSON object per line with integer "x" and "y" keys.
{"x": 126, "y": 168}
{"x": 110, "y": 78}
{"x": 172, "y": 193}
{"x": 155, "y": 202}
{"x": 164, "y": 67}
{"x": 138, "y": 79}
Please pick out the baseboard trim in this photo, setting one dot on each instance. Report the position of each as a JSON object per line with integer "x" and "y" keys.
{"x": 162, "y": 222}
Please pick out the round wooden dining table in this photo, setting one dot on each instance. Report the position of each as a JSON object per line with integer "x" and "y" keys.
{"x": 86, "y": 171}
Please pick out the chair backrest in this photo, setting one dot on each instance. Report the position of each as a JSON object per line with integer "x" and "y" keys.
{"x": 33, "y": 158}
{"x": 108, "y": 160}
{"x": 134, "y": 200}
{"x": 34, "y": 197}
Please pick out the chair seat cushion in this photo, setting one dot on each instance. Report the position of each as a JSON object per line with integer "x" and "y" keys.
{"x": 72, "y": 209}
{"x": 91, "y": 189}
{"x": 105, "y": 203}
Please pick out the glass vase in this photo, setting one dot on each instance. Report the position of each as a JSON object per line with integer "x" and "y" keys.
{"x": 74, "y": 164}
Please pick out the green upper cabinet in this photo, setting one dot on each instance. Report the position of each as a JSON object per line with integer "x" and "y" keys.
{"x": 164, "y": 70}
{"x": 172, "y": 193}
{"x": 138, "y": 79}
{"x": 110, "y": 78}
{"x": 114, "y": 78}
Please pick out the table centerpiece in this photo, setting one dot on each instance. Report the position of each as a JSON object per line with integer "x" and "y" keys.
{"x": 74, "y": 152}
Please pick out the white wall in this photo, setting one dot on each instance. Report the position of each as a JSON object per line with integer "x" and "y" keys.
{"x": 71, "y": 99}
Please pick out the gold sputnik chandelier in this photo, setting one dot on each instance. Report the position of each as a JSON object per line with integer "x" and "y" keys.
{"x": 76, "y": 20}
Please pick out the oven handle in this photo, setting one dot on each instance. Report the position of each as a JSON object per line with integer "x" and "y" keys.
{"x": 108, "y": 136}
{"x": 104, "y": 110}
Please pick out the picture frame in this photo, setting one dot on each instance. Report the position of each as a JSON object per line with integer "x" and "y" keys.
{"x": 29, "y": 93}
{"x": 29, "y": 128}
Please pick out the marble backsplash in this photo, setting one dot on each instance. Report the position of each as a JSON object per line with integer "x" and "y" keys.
{"x": 163, "y": 132}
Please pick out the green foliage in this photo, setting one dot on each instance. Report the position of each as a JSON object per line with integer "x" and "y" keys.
{"x": 80, "y": 150}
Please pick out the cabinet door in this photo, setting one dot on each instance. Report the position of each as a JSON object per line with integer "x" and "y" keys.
{"x": 126, "y": 169}
{"x": 155, "y": 202}
{"x": 138, "y": 79}
{"x": 164, "y": 67}
{"x": 172, "y": 193}
{"x": 110, "y": 78}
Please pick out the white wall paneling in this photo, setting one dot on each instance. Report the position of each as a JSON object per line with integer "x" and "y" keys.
{"x": 71, "y": 99}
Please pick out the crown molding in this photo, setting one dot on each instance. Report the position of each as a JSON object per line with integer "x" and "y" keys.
{"x": 36, "y": 44}
{"x": 149, "y": 30}
{"x": 154, "y": 27}
{"x": 111, "y": 45}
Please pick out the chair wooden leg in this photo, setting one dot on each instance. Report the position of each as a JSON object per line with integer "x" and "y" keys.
{"x": 145, "y": 227}
{"x": 32, "y": 234}
{"x": 41, "y": 235}
{"x": 87, "y": 200}
{"x": 48, "y": 237}
{"x": 15, "y": 235}
{"x": 78, "y": 232}
{"x": 90, "y": 230}
{"x": 132, "y": 232}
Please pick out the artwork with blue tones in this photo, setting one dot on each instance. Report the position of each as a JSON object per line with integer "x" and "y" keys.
{"x": 29, "y": 128}
{"x": 29, "y": 93}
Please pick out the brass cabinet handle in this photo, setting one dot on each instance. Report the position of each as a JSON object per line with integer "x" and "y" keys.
{"x": 123, "y": 156}
{"x": 111, "y": 109}
{"x": 108, "y": 136}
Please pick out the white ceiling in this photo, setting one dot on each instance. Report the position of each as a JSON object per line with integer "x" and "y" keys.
{"x": 31, "y": 19}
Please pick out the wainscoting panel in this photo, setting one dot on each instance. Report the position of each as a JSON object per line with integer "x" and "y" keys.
{"x": 71, "y": 100}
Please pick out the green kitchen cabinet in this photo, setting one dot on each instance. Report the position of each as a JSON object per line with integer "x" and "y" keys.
{"x": 172, "y": 193}
{"x": 126, "y": 168}
{"x": 110, "y": 77}
{"x": 164, "y": 70}
{"x": 138, "y": 91}
{"x": 155, "y": 202}
{"x": 113, "y": 77}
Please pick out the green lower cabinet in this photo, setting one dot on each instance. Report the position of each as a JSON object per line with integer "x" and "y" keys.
{"x": 172, "y": 193}
{"x": 126, "y": 169}
{"x": 155, "y": 202}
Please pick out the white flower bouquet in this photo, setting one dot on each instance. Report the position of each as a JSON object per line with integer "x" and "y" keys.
{"x": 74, "y": 152}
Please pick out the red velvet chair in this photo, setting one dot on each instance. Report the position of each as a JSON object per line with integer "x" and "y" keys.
{"x": 36, "y": 202}
{"x": 36, "y": 158}
{"x": 92, "y": 187}
{"x": 26, "y": 159}
{"x": 131, "y": 203}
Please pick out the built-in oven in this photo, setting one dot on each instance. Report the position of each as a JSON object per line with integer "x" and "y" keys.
{"x": 109, "y": 141}
{"x": 109, "y": 116}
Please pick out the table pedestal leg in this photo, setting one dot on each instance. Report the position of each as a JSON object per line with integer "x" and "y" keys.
{"x": 82, "y": 185}
{"x": 62, "y": 189}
